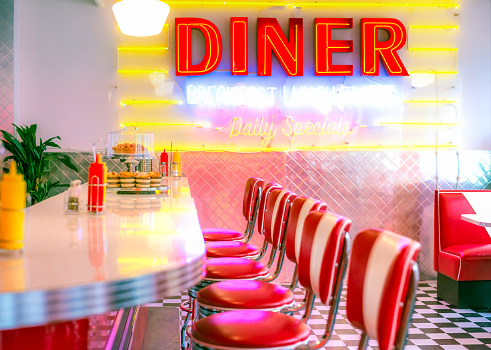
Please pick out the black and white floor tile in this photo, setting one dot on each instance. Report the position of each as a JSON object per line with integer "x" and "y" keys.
{"x": 435, "y": 324}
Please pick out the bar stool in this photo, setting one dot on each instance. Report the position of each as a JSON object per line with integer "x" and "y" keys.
{"x": 321, "y": 268}
{"x": 250, "y": 206}
{"x": 222, "y": 269}
{"x": 239, "y": 249}
{"x": 247, "y": 294}
{"x": 382, "y": 283}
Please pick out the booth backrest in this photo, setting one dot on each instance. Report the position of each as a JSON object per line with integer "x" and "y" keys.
{"x": 450, "y": 229}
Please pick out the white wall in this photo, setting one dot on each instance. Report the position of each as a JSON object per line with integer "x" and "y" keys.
{"x": 475, "y": 73}
{"x": 66, "y": 62}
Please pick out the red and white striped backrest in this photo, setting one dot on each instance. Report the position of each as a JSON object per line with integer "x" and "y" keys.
{"x": 251, "y": 192}
{"x": 278, "y": 207}
{"x": 378, "y": 280}
{"x": 261, "y": 215}
{"x": 301, "y": 207}
{"x": 323, "y": 237}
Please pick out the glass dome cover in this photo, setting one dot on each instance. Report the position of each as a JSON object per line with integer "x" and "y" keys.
{"x": 130, "y": 143}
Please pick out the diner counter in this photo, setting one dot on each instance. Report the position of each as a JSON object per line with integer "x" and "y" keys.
{"x": 139, "y": 249}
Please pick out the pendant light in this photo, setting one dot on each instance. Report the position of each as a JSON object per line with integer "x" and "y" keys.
{"x": 141, "y": 17}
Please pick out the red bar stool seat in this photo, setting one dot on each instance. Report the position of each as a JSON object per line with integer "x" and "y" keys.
{"x": 233, "y": 295}
{"x": 233, "y": 330}
{"x": 221, "y": 234}
{"x": 231, "y": 248}
{"x": 234, "y": 268}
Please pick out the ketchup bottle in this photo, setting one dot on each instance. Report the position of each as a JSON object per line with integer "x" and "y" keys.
{"x": 97, "y": 185}
{"x": 164, "y": 163}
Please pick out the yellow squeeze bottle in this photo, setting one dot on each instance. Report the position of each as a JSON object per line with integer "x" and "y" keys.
{"x": 176, "y": 162}
{"x": 12, "y": 203}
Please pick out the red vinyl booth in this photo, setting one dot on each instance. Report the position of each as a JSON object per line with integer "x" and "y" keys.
{"x": 462, "y": 254}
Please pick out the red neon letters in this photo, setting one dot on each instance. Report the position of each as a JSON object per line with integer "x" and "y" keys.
{"x": 371, "y": 48}
{"x": 213, "y": 41}
{"x": 325, "y": 46}
{"x": 270, "y": 38}
{"x": 289, "y": 51}
{"x": 239, "y": 58}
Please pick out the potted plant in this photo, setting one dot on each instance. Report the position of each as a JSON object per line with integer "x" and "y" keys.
{"x": 32, "y": 160}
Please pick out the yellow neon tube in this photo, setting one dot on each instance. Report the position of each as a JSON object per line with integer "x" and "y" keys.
{"x": 204, "y": 125}
{"x": 340, "y": 148}
{"x": 433, "y": 49}
{"x": 141, "y": 71}
{"x": 309, "y": 3}
{"x": 434, "y": 72}
{"x": 171, "y": 102}
{"x": 430, "y": 101}
{"x": 142, "y": 48}
{"x": 419, "y": 124}
{"x": 433, "y": 27}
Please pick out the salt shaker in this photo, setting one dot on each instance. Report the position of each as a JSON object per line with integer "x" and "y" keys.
{"x": 73, "y": 195}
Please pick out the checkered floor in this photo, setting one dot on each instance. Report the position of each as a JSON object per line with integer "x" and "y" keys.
{"x": 435, "y": 324}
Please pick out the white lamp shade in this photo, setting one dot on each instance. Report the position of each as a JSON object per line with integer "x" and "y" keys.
{"x": 420, "y": 80}
{"x": 141, "y": 17}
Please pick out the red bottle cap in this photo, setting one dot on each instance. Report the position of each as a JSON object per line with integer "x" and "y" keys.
{"x": 164, "y": 157}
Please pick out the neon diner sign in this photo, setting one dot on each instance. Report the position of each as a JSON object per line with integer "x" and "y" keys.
{"x": 289, "y": 51}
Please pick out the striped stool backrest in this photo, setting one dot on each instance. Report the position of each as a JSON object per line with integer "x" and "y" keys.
{"x": 323, "y": 240}
{"x": 261, "y": 215}
{"x": 380, "y": 281}
{"x": 251, "y": 193}
{"x": 276, "y": 216}
{"x": 301, "y": 207}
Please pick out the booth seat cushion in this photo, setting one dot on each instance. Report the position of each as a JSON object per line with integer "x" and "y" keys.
{"x": 238, "y": 329}
{"x": 234, "y": 268}
{"x": 224, "y": 249}
{"x": 466, "y": 262}
{"x": 245, "y": 295}
{"x": 221, "y": 234}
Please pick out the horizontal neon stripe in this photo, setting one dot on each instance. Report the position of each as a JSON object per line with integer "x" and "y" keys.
{"x": 156, "y": 48}
{"x": 204, "y": 125}
{"x": 433, "y": 49}
{"x": 141, "y": 71}
{"x": 419, "y": 124}
{"x": 433, "y": 27}
{"x": 311, "y": 3}
{"x": 325, "y": 148}
{"x": 434, "y": 72}
{"x": 430, "y": 101}
{"x": 172, "y": 102}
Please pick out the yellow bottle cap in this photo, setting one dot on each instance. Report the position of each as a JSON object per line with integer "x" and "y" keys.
{"x": 13, "y": 175}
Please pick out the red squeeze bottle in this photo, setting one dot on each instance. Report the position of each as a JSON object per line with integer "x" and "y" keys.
{"x": 97, "y": 185}
{"x": 164, "y": 163}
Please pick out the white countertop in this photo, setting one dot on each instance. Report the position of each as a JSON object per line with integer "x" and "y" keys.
{"x": 479, "y": 220}
{"x": 139, "y": 249}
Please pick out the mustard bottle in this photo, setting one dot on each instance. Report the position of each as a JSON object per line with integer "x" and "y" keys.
{"x": 12, "y": 203}
{"x": 176, "y": 164}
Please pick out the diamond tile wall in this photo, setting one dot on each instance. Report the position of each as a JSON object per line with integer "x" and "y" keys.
{"x": 6, "y": 64}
